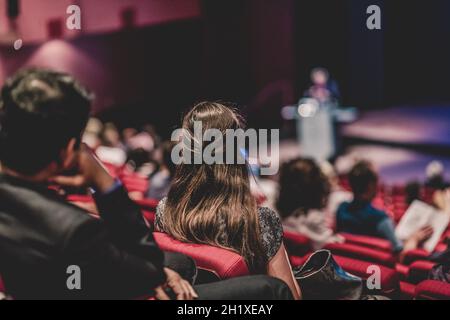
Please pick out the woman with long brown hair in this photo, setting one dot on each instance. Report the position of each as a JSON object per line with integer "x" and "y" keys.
{"x": 212, "y": 204}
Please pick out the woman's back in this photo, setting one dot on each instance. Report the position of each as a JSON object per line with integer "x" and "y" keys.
{"x": 271, "y": 230}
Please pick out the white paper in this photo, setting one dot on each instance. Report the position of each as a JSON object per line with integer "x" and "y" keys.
{"x": 418, "y": 216}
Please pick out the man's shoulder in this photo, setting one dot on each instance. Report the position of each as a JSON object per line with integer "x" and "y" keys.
{"x": 45, "y": 209}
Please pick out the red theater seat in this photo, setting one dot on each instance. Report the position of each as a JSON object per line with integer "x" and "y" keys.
{"x": 419, "y": 271}
{"x": 389, "y": 278}
{"x": 407, "y": 290}
{"x": 370, "y": 242}
{"x": 362, "y": 253}
{"x": 433, "y": 290}
{"x": 415, "y": 255}
{"x": 80, "y": 198}
{"x": 2, "y": 286}
{"x": 296, "y": 244}
{"x": 148, "y": 204}
{"x": 402, "y": 271}
{"x": 135, "y": 183}
{"x": 224, "y": 264}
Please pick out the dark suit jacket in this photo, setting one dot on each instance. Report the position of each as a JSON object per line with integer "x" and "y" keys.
{"x": 41, "y": 236}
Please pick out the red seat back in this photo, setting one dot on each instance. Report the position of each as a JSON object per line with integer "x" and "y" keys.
{"x": 419, "y": 271}
{"x": 223, "y": 263}
{"x": 370, "y": 242}
{"x": 296, "y": 244}
{"x": 433, "y": 290}
{"x": 362, "y": 253}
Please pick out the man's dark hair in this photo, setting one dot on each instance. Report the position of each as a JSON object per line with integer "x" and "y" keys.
{"x": 40, "y": 111}
{"x": 361, "y": 177}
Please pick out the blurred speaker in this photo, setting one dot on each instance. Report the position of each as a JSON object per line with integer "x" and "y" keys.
{"x": 13, "y": 8}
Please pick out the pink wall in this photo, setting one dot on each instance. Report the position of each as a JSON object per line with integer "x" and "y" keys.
{"x": 98, "y": 16}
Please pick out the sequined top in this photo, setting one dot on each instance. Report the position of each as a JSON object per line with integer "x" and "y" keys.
{"x": 270, "y": 224}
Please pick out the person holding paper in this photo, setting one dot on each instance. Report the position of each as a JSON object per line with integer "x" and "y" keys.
{"x": 361, "y": 217}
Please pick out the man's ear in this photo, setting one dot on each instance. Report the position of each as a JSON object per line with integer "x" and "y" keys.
{"x": 68, "y": 154}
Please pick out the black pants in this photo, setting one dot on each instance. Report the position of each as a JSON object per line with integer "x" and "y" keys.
{"x": 243, "y": 288}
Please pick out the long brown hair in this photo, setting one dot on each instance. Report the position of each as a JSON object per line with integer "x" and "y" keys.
{"x": 212, "y": 204}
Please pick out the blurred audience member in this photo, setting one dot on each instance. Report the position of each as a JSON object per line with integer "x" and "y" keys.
{"x": 435, "y": 176}
{"x": 412, "y": 190}
{"x": 302, "y": 202}
{"x": 92, "y": 133}
{"x": 161, "y": 179}
{"x": 337, "y": 195}
{"x": 360, "y": 217}
{"x": 111, "y": 149}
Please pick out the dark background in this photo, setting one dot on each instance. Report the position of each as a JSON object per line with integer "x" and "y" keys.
{"x": 259, "y": 54}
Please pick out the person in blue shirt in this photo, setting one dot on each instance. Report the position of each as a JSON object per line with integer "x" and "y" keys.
{"x": 361, "y": 217}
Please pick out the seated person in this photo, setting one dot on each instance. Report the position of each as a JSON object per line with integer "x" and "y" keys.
{"x": 43, "y": 114}
{"x": 302, "y": 201}
{"x": 111, "y": 149}
{"x": 212, "y": 203}
{"x": 360, "y": 217}
{"x": 435, "y": 176}
{"x": 161, "y": 179}
{"x": 441, "y": 272}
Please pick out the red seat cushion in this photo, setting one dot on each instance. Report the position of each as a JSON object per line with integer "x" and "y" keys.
{"x": 362, "y": 253}
{"x": 370, "y": 242}
{"x": 80, "y": 198}
{"x": 389, "y": 277}
{"x": 419, "y": 271}
{"x": 407, "y": 290}
{"x": 433, "y": 290}
{"x": 2, "y": 286}
{"x": 402, "y": 271}
{"x": 148, "y": 204}
{"x": 296, "y": 244}
{"x": 150, "y": 217}
{"x": 414, "y": 255}
{"x": 224, "y": 263}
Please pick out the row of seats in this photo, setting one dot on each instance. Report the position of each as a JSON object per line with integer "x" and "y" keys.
{"x": 405, "y": 281}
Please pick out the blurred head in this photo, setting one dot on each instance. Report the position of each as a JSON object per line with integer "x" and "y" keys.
{"x": 110, "y": 135}
{"x": 212, "y": 204}
{"x": 92, "y": 132}
{"x": 43, "y": 114}
{"x": 364, "y": 181}
{"x": 303, "y": 187}
{"x": 167, "y": 148}
{"x": 320, "y": 76}
{"x": 129, "y": 133}
{"x": 434, "y": 169}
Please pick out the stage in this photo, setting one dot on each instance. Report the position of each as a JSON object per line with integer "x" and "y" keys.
{"x": 424, "y": 127}
{"x": 400, "y": 141}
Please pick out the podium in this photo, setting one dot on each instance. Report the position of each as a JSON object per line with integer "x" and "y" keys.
{"x": 316, "y": 129}
{"x": 317, "y": 125}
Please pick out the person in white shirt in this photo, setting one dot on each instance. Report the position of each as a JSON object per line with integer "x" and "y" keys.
{"x": 302, "y": 202}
